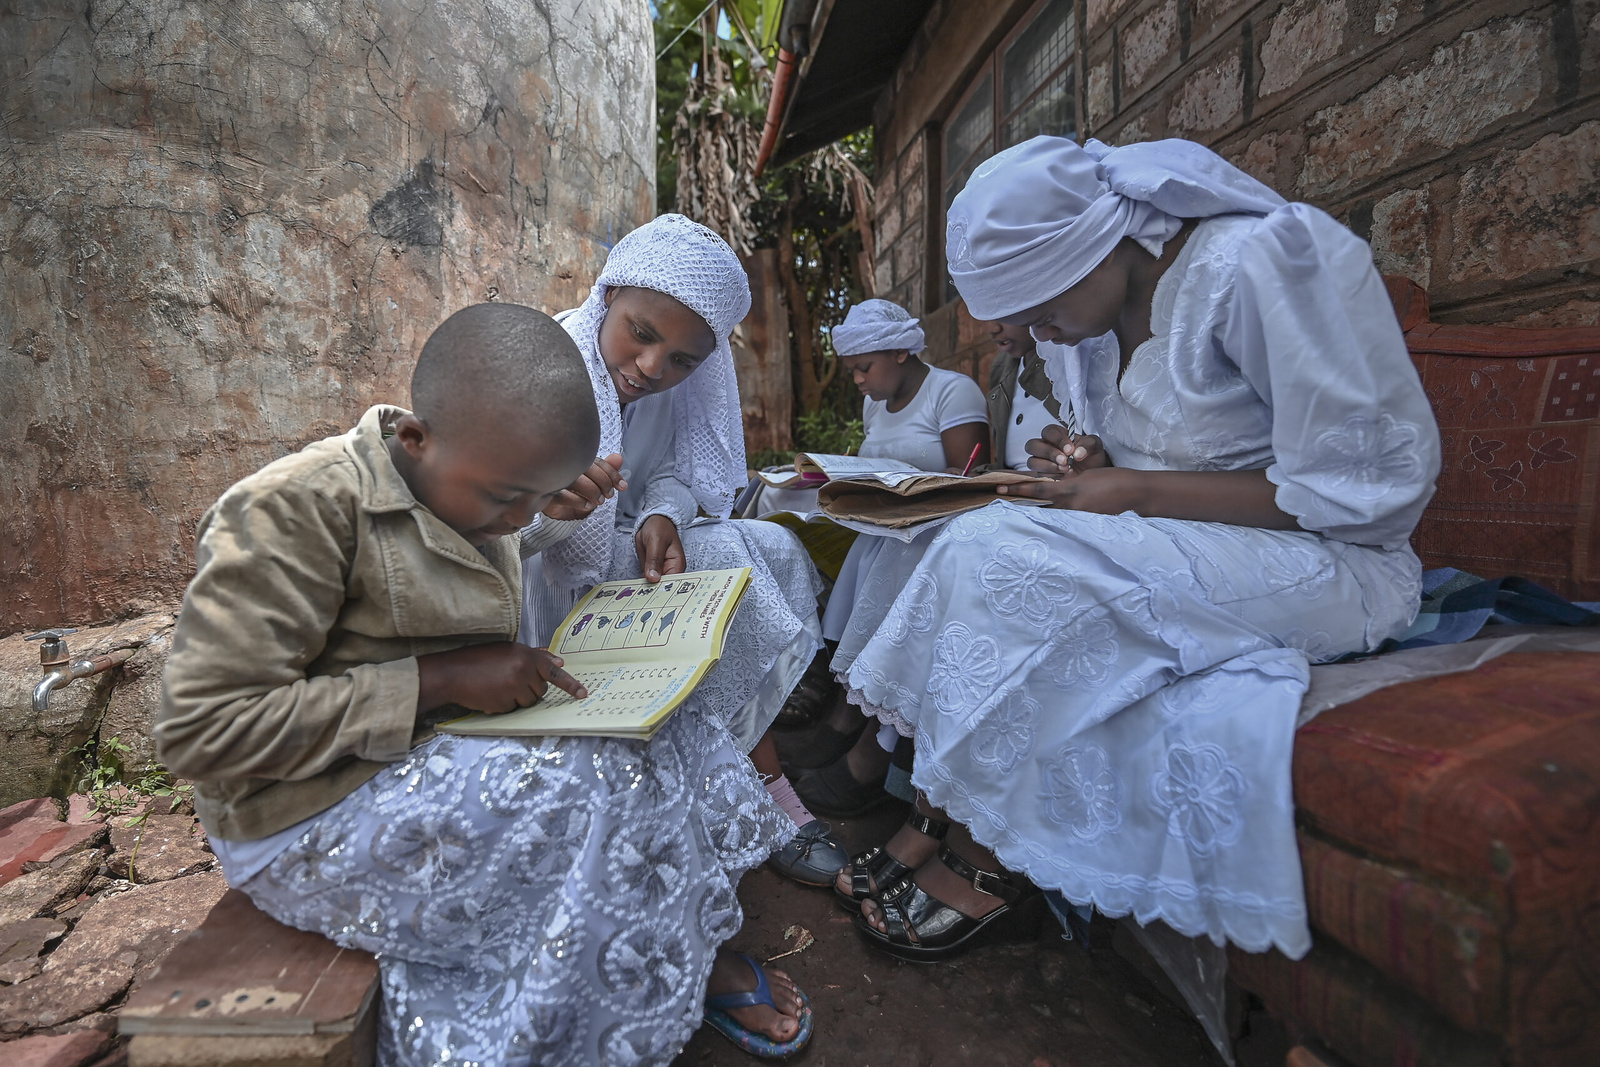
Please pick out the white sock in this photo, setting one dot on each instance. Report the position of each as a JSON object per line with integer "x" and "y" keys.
{"x": 888, "y": 737}
{"x": 784, "y": 796}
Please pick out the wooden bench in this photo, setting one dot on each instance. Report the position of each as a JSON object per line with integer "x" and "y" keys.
{"x": 1450, "y": 827}
{"x": 243, "y": 989}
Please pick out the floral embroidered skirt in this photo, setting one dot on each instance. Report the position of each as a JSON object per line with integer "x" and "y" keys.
{"x": 537, "y": 900}
{"x": 1108, "y": 702}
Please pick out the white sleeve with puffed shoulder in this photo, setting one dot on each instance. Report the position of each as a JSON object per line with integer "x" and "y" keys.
{"x": 1355, "y": 445}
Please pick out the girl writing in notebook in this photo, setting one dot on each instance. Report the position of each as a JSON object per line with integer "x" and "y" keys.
{"x": 1103, "y": 692}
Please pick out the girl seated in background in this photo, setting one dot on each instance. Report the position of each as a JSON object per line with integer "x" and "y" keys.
{"x": 1021, "y": 401}
{"x": 929, "y": 417}
{"x": 925, "y": 416}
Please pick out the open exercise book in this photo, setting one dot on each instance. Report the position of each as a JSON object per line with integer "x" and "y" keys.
{"x": 639, "y": 649}
{"x": 812, "y": 469}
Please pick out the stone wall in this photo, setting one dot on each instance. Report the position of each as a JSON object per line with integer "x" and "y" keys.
{"x": 1461, "y": 139}
{"x": 227, "y": 226}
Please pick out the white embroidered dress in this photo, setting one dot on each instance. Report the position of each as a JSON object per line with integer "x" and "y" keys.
{"x": 1108, "y": 702}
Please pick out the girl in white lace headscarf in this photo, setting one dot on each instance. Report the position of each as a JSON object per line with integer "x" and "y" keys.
{"x": 1103, "y": 692}
{"x": 694, "y": 266}
{"x": 683, "y": 448}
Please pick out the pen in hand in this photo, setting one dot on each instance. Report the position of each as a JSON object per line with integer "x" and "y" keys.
{"x": 971, "y": 460}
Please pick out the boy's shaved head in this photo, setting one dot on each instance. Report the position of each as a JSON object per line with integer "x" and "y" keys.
{"x": 493, "y": 369}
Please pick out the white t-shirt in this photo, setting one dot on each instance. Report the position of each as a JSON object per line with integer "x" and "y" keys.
{"x": 946, "y": 399}
{"x": 1029, "y": 417}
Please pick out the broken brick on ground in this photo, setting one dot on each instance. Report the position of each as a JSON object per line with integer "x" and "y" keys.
{"x": 76, "y": 934}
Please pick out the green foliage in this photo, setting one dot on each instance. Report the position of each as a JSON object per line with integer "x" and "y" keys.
{"x": 114, "y": 786}
{"x": 680, "y": 46}
{"x": 804, "y": 207}
{"x": 825, "y": 431}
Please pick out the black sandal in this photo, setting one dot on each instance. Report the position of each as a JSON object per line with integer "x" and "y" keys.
{"x": 923, "y": 928}
{"x": 876, "y": 867}
{"x": 834, "y": 792}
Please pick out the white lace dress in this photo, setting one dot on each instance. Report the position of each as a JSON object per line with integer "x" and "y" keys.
{"x": 1108, "y": 702}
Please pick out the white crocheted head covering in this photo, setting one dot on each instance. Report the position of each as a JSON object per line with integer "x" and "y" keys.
{"x": 695, "y": 267}
{"x": 877, "y": 326}
{"x": 1036, "y": 218}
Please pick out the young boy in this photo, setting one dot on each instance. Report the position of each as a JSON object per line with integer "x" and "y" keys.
{"x": 530, "y": 899}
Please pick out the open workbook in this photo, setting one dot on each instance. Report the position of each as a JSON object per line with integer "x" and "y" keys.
{"x": 812, "y": 469}
{"x": 639, "y": 649}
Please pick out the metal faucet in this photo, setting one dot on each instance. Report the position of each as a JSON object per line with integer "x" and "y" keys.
{"x": 60, "y": 669}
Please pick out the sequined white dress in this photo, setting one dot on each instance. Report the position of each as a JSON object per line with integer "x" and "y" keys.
{"x": 1108, "y": 702}
{"x": 684, "y": 449}
{"x": 536, "y": 901}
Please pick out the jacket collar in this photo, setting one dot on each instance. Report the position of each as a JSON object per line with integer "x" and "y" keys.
{"x": 382, "y": 488}
{"x": 384, "y": 491}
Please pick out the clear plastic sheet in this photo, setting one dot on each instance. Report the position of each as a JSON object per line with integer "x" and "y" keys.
{"x": 1198, "y": 968}
{"x": 1334, "y": 684}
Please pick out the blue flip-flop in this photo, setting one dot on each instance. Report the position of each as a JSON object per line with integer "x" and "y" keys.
{"x": 756, "y": 1044}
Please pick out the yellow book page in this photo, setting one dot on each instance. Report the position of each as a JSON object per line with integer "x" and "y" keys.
{"x": 639, "y": 650}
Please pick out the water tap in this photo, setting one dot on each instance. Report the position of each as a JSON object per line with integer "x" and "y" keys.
{"x": 60, "y": 669}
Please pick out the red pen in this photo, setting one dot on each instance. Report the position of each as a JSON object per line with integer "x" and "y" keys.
{"x": 971, "y": 460}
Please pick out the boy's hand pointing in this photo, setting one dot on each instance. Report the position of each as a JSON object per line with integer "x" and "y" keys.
{"x": 491, "y": 678}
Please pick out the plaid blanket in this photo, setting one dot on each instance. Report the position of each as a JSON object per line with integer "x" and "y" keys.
{"x": 1456, "y": 605}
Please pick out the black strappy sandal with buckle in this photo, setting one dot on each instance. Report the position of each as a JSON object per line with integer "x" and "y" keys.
{"x": 876, "y": 867}
{"x": 922, "y": 928}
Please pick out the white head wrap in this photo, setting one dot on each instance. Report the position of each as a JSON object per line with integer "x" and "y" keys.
{"x": 877, "y": 326}
{"x": 1036, "y": 218}
{"x": 695, "y": 267}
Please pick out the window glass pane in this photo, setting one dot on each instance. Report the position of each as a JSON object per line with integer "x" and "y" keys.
{"x": 1051, "y": 112}
{"x": 967, "y": 140}
{"x": 1037, "y": 86}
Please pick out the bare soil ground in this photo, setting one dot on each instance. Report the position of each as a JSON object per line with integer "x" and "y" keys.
{"x": 1052, "y": 1003}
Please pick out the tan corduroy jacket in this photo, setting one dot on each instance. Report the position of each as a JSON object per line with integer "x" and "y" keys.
{"x": 320, "y": 579}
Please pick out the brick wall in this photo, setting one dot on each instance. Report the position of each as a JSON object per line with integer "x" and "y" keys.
{"x": 1461, "y": 139}
{"x": 901, "y": 226}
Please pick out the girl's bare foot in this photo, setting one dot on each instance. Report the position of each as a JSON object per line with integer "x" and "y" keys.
{"x": 731, "y": 974}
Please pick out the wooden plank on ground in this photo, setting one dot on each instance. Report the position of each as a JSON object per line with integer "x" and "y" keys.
{"x": 243, "y": 973}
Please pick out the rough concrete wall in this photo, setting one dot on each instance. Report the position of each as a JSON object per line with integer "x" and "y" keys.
{"x": 227, "y": 226}
{"x": 1461, "y": 139}
{"x": 43, "y": 754}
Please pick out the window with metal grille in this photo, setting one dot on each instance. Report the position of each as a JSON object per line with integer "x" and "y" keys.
{"x": 1026, "y": 87}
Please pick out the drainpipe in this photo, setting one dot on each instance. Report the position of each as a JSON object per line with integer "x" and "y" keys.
{"x": 782, "y": 78}
{"x": 795, "y": 44}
